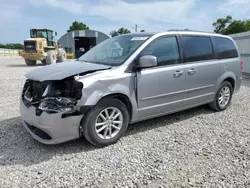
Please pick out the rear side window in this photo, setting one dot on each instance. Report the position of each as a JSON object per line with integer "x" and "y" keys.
{"x": 197, "y": 48}
{"x": 225, "y": 48}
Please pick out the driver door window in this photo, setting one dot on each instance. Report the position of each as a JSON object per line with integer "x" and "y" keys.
{"x": 165, "y": 49}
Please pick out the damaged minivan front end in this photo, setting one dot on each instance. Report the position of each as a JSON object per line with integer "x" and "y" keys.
{"x": 50, "y": 101}
{"x": 53, "y": 96}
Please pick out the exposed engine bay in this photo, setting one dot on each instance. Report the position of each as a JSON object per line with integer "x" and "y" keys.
{"x": 53, "y": 96}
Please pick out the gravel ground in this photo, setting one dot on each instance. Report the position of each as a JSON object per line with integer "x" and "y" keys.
{"x": 195, "y": 148}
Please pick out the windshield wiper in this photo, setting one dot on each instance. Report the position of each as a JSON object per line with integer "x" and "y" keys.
{"x": 99, "y": 62}
{"x": 81, "y": 60}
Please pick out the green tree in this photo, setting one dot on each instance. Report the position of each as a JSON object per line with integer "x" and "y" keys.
{"x": 229, "y": 26}
{"x": 19, "y": 46}
{"x": 237, "y": 26}
{"x": 247, "y": 25}
{"x": 78, "y": 26}
{"x": 221, "y": 24}
{"x": 12, "y": 46}
{"x": 120, "y": 31}
{"x": 114, "y": 33}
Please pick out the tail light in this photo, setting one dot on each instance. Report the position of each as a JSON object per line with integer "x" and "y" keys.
{"x": 241, "y": 66}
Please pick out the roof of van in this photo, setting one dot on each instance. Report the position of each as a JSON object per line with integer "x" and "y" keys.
{"x": 177, "y": 32}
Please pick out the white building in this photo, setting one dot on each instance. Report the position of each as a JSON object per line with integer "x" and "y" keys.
{"x": 81, "y": 41}
{"x": 243, "y": 42}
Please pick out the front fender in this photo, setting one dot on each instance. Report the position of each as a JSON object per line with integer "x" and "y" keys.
{"x": 94, "y": 92}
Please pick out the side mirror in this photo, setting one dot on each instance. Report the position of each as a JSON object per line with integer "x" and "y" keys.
{"x": 147, "y": 61}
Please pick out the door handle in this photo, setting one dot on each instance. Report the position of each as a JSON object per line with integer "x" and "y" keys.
{"x": 191, "y": 71}
{"x": 178, "y": 73}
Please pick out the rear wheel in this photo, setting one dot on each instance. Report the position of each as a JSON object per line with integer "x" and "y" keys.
{"x": 30, "y": 62}
{"x": 106, "y": 123}
{"x": 51, "y": 57}
{"x": 62, "y": 58}
{"x": 223, "y": 97}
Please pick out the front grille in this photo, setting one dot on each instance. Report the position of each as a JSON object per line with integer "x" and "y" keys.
{"x": 38, "y": 132}
{"x": 30, "y": 46}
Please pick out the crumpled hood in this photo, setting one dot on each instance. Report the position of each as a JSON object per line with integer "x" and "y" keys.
{"x": 63, "y": 70}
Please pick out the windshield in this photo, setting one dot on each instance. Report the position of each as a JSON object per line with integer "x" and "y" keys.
{"x": 42, "y": 34}
{"x": 38, "y": 34}
{"x": 114, "y": 51}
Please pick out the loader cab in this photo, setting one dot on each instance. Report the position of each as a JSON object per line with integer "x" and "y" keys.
{"x": 44, "y": 33}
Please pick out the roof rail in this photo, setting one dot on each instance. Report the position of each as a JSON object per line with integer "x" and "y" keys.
{"x": 187, "y": 30}
{"x": 179, "y": 30}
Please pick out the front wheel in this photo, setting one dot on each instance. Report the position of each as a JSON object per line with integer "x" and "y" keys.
{"x": 51, "y": 57}
{"x": 223, "y": 97}
{"x": 106, "y": 123}
{"x": 30, "y": 62}
{"x": 44, "y": 61}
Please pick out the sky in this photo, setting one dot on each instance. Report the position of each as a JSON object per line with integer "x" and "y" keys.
{"x": 17, "y": 17}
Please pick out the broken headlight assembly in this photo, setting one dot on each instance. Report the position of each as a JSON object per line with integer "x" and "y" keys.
{"x": 54, "y": 96}
{"x": 56, "y": 105}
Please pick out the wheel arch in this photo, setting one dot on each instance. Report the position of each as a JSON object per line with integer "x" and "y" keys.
{"x": 231, "y": 81}
{"x": 123, "y": 98}
{"x": 230, "y": 77}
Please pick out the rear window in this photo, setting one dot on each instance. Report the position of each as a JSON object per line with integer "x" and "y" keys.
{"x": 197, "y": 48}
{"x": 225, "y": 48}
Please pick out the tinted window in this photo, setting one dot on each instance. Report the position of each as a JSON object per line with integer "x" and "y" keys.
{"x": 197, "y": 48}
{"x": 165, "y": 49}
{"x": 225, "y": 48}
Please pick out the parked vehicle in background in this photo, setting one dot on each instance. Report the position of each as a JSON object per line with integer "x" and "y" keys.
{"x": 42, "y": 46}
{"x": 127, "y": 79}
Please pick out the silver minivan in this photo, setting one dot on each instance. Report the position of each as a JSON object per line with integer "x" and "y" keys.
{"x": 126, "y": 79}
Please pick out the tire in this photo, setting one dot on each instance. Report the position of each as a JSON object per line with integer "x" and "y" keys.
{"x": 51, "y": 57}
{"x": 215, "y": 105}
{"x": 44, "y": 61}
{"x": 89, "y": 123}
{"x": 30, "y": 62}
{"x": 62, "y": 58}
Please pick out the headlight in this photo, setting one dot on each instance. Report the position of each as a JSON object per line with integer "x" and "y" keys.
{"x": 55, "y": 105}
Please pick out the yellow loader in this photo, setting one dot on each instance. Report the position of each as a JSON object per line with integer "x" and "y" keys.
{"x": 41, "y": 46}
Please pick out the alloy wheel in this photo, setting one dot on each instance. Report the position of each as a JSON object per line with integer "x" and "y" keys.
{"x": 108, "y": 123}
{"x": 224, "y": 96}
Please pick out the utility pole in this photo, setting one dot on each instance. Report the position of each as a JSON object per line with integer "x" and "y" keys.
{"x": 135, "y": 28}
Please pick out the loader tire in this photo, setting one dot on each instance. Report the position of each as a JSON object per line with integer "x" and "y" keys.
{"x": 30, "y": 62}
{"x": 44, "y": 61}
{"x": 51, "y": 57}
{"x": 62, "y": 58}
